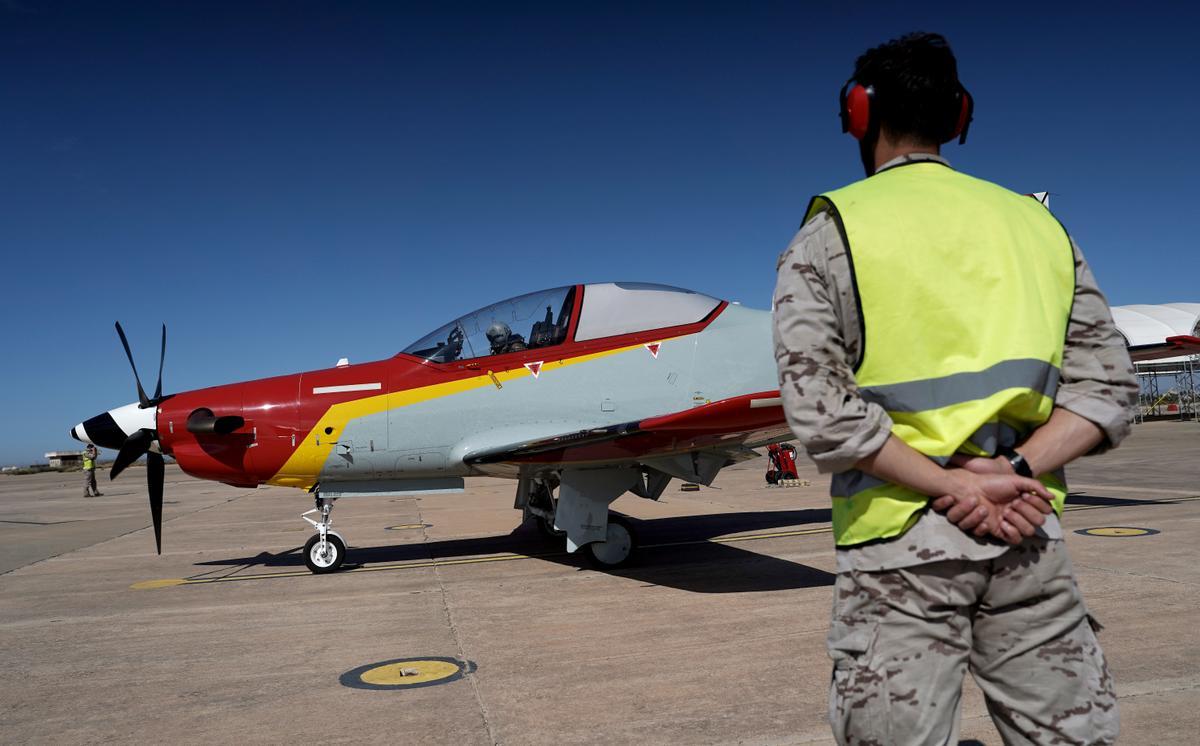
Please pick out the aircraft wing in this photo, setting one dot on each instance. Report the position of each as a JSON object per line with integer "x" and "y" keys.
{"x": 1170, "y": 347}
{"x": 730, "y": 424}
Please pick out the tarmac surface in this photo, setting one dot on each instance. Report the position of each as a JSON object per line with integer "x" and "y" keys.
{"x": 715, "y": 636}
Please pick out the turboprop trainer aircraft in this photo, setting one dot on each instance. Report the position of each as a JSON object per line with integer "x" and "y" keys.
{"x": 580, "y": 393}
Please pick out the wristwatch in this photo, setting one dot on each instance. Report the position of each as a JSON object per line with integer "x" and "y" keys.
{"x": 1018, "y": 462}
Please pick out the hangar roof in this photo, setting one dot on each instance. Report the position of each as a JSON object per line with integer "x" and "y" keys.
{"x": 1146, "y": 325}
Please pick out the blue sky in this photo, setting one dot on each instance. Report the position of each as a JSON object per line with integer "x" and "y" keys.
{"x": 284, "y": 184}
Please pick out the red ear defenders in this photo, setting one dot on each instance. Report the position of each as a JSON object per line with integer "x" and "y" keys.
{"x": 857, "y": 119}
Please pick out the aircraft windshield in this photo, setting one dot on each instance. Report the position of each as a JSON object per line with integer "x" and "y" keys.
{"x": 522, "y": 323}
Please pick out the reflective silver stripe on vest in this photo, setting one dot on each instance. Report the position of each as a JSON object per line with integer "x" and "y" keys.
{"x": 935, "y": 393}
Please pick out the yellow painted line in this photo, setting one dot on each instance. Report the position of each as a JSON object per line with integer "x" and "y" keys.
{"x": 746, "y": 537}
{"x": 147, "y": 585}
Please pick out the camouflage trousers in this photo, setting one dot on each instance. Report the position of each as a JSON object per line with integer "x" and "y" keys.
{"x": 902, "y": 640}
{"x": 89, "y": 483}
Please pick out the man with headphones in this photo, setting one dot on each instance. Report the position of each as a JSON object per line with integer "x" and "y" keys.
{"x": 944, "y": 352}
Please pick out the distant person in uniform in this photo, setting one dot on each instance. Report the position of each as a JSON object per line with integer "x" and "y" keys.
{"x": 942, "y": 344}
{"x": 502, "y": 339}
{"x": 89, "y": 472}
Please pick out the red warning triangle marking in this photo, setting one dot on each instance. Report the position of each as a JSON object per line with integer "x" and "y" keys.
{"x": 653, "y": 347}
{"x": 534, "y": 368}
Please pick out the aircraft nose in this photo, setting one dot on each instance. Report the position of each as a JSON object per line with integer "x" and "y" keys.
{"x": 101, "y": 430}
{"x": 112, "y": 428}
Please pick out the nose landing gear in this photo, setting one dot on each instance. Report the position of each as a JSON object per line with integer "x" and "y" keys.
{"x": 325, "y": 551}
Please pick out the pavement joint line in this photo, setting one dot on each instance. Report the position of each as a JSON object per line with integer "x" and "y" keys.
{"x": 454, "y": 635}
{"x": 813, "y": 531}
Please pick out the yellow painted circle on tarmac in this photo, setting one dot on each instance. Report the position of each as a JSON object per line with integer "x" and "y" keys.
{"x": 409, "y": 672}
{"x": 147, "y": 585}
{"x": 1117, "y": 531}
{"x": 406, "y": 673}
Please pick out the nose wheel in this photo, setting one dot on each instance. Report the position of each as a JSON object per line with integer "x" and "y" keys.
{"x": 324, "y": 556}
{"x": 325, "y": 551}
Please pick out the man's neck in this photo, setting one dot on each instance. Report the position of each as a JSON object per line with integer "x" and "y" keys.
{"x": 887, "y": 150}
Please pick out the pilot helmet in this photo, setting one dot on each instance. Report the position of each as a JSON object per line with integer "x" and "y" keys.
{"x": 498, "y": 334}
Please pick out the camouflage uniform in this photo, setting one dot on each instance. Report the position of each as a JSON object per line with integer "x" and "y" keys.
{"x": 911, "y": 614}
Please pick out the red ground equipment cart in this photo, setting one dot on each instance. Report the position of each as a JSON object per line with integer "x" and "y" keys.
{"x": 783, "y": 462}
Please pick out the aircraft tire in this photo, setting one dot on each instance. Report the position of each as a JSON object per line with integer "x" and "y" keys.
{"x": 319, "y": 565}
{"x": 618, "y": 548}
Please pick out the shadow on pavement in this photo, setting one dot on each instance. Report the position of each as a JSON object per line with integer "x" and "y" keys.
{"x": 676, "y": 553}
{"x": 1077, "y": 498}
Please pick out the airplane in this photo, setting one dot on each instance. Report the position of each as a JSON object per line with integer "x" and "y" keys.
{"x": 580, "y": 393}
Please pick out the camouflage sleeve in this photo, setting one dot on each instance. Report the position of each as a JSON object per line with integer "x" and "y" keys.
{"x": 816, "y": 343}
{"x": 1097, "y": 382}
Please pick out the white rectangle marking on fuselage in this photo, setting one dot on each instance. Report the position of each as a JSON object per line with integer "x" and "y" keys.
{"x": 347, "y": 387}
{"x": 761, "y": 403}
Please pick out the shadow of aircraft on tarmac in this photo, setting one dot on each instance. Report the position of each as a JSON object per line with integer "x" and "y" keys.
{"x": 676, "y": 553}
{"x": 1098, "y": 501}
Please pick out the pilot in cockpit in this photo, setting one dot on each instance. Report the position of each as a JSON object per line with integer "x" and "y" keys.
{"x": 503, "y": 340}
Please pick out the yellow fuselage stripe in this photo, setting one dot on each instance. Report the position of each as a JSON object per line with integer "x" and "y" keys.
{"x": 303, "y": 467}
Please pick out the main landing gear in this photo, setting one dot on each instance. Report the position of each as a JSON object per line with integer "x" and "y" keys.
{"x": 617, "y": 548}
{"x": 607, "y": 540}
{"x": 325, "y": 551}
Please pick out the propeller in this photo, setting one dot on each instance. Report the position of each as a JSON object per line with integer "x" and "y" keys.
{"x": 142, "y": 442}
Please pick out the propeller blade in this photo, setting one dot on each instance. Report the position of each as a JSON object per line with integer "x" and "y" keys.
{"x": 131, "y": 450}
{"x": 145, "y": 400}
{"x": 154, "y": 484}
{"x": 162, "y": 355}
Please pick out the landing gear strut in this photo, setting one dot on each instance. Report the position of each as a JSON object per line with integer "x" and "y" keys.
{"x": 541, "y": 506}
{"x": 325, "y": 550}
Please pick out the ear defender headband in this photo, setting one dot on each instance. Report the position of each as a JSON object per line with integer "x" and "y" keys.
{"x": 856, "y": 111}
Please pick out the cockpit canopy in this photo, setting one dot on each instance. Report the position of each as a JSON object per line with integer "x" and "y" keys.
{"x": 543, "y": 319}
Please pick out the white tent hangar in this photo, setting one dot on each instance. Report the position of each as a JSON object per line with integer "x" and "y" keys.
{"x": 1163, "y": 341}
{"x": 1145, "y": 326}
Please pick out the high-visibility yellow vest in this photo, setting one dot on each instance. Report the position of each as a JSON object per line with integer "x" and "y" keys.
{"x": 965, "y": 289}
{"x": 88, "y": 462}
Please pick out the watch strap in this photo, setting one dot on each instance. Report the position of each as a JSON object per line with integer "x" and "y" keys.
{"x": 1018, "y": 462}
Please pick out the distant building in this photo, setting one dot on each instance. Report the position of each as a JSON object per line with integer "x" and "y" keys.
{"x": 59, "y": 459}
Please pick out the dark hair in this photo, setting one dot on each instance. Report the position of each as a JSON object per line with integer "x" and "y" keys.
{"x": 916, "y": 82}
